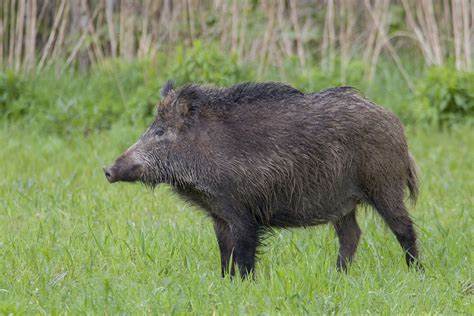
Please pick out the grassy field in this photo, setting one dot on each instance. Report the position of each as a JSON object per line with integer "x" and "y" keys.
{"x": 72, "y": 243}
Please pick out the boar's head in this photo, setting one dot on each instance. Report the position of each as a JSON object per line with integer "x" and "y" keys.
{"x": 168, "y": 151}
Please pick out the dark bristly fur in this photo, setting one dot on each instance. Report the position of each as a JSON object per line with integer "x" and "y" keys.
{"x": 257, "y": 156}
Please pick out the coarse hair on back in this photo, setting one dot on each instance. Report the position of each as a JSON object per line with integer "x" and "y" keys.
{"x": 246, "y": 92}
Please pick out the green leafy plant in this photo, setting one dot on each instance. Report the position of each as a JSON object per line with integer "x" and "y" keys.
{"x": 205, "y": 63}
{"x": 10, "y": 90}
{"x": 446, "y": 96}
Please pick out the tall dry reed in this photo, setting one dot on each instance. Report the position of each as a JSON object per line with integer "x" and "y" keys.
{"x": 35, "y": 33}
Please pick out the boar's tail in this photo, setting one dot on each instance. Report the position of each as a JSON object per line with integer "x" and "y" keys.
{"x": 412, "y": 182}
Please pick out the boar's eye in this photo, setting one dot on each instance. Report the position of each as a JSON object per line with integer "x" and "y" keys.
{"x": 159, "y": 131}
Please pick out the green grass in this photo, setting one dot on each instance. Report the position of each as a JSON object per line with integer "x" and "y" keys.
{"x": 72, "y": 243}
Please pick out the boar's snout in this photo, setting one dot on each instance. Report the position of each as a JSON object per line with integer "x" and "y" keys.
{"x": 124, "y": 169}
{"x": 109, "y": 174}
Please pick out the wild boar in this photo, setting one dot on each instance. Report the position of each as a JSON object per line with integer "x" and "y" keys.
{"x": 260, "y": 156}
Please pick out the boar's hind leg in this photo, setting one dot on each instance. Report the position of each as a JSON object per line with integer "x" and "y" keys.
{"x": 348, "y": 232}
{"x": 394, "y": 213}
{"x": 226, "y": 245}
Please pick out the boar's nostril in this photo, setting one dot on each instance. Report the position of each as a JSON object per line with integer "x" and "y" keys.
{"x": 108, "y": 174}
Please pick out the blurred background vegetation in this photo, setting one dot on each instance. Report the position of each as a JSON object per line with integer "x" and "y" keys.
{"x": 84, "y": 65}
{"x": 79, "y": 80}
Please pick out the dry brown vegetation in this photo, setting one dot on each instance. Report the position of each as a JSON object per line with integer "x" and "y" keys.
{"x": 35, "y": 33}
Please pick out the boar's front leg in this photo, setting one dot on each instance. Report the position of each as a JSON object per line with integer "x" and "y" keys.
{"x": 246, "y": 238}
{"x": 226, "y": 245}
{"x": 238, "y": 244}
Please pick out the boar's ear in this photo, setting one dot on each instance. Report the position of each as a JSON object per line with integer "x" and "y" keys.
{"x": 167, "y": 88}
{"x": 190, "y": 101}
